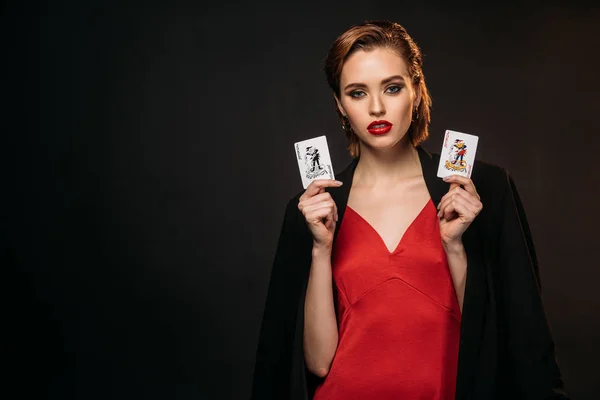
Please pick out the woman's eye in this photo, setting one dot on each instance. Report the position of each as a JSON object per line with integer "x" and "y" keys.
{"x": 357, "y": 94}
{"x": 393, "y": 89}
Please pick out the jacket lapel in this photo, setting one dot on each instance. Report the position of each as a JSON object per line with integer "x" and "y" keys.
{"x": 340, "y": 194}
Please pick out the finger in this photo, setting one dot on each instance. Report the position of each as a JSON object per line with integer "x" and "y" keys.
{"x": 474, "y": 201}
{"x": 314, "y": 200}
{"x": 328, "y": 204}
{"x": 317, "y": 185}
{"x": 444, "y": 205}
{"x": 335, "y": 212}
{"x": 329, "y": 219}
{"x": 330, "y": 224}
{"x": 321, "y": 215}
{"x": 449, "y": 213}
{"x": 464, "y": 181}
{"x": 460, "y": 206}
{"x": 458, "y": 191}
{"x": 447, "y": 199}
{"x": 454, "y": 190}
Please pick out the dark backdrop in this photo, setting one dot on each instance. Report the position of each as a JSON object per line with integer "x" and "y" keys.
{"x": 147, "y": 154}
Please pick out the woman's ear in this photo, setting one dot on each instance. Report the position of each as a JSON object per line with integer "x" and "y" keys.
{"x": 339, "y": 105}
{"x": 417, "y": 97}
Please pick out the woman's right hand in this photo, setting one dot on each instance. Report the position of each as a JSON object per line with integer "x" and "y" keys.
{"x": 320, "y": 211}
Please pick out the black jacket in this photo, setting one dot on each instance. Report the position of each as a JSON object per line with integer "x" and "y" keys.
{"x": 506, "y": 347}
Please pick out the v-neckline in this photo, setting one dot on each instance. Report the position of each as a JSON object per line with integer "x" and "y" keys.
{"x": 380, "y": 238}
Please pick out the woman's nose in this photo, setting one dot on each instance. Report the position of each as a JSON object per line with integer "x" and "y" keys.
{"x": 376, "y": 107}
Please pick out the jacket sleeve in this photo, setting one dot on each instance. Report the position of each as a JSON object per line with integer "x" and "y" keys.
{"x": 274, "y": 356}
{"x": 529, "y": 344}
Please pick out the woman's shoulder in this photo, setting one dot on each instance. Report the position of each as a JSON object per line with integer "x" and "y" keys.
{"x": 490, "y": 179}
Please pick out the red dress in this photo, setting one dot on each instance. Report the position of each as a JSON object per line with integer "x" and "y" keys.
{"x": 398, "y": 316}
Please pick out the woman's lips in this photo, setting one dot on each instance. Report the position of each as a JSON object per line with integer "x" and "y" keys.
{"x": 379, "y": 127}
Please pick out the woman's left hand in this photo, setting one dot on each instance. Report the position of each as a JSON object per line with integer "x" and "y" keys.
{"x": 458, "y": 208}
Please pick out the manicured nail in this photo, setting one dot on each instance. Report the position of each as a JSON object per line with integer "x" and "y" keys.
{"x": 339, "y": 183}
{"x": 446, "y": 178}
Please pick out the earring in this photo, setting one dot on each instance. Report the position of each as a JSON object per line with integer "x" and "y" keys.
{"x": 346, "y": 124}
{"x": 415, "y": 114}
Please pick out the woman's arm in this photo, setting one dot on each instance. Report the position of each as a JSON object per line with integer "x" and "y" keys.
{"x": 457, "y": 210}
{"x": 320, "y": 324}
{"x": 320, "y": 335}
{"x": 457, "y": 261}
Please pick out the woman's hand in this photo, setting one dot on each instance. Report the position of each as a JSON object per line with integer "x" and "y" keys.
{"x": 320, "y": 211}
{"x": 457, "y": 209}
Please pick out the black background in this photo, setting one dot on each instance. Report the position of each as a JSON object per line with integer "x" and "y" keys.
{"x": 147, "y": 152}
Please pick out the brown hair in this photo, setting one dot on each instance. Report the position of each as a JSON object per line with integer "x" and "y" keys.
{"x": 368, "y": 36}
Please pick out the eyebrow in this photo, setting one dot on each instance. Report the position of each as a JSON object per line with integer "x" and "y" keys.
{"x": 383, "y": 82}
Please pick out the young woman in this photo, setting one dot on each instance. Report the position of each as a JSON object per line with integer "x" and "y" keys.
{"x": 392, "y": 283}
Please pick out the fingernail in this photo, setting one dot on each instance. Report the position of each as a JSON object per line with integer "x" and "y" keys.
{"x": 339, "y": 183}
{"x": 446, "y": 178}
{"x": 438, "y": 206}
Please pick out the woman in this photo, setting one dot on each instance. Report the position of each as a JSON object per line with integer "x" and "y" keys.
{"x": 394, "y": 284}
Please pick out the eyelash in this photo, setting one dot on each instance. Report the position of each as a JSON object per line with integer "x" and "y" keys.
{"x": 355, "y": 94}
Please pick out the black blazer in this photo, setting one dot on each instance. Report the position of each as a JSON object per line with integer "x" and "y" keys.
{"x": 506, "y": 348}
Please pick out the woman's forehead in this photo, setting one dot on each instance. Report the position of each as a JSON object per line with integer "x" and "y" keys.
{"x": 373, "y": 66}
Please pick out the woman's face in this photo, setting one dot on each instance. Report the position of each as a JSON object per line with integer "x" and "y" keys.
{"x": 377, "y": 96}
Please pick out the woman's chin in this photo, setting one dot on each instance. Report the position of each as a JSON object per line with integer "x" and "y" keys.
{"x": 384, "y": 142}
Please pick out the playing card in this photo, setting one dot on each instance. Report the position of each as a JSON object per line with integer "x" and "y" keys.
{"x": 458, "y": 154}
{"x": 313, "y": 160}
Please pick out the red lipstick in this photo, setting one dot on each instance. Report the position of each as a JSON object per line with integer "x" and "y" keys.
{"x": 379, "y": 127}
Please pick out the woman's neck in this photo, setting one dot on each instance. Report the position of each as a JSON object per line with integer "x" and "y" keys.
{"x": 385, "y": 168}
